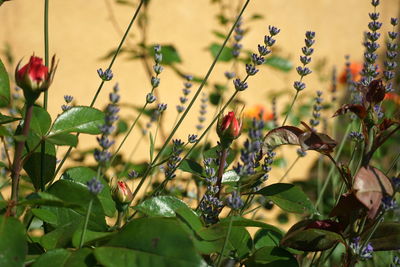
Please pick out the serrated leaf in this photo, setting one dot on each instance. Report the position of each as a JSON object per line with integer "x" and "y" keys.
{"x": 78, "y": 119}
{"x": 288, "y": 197}
{"x": 4, "y": 86}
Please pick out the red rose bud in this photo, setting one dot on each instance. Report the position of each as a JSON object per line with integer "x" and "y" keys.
{"x": 121, "y": 194}
{"x": 34, "y": 77}
{"x": 229, "y": 128}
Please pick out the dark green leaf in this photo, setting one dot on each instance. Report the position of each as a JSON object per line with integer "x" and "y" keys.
{"x": 78, "y": 194}
{"x": 59, "y": 237}
{"x": 271, "y": 256}
{"x": 386, "y": 237}
{"x": 266, "y": 237}
{"x": 89, "y": 236}
{"x": 192, "y": 167}
{"x": 148, "y": 243}
{"x": 66, "y": 258}
{"x": 288, "y": 197}
{"x": 169, "y": 54}
{"x": 7, "y": 119}
{"x": 13, "y": 247}
{"x": 78, "y": 119}
{"x": 4, "y": 86}
{"x": 45, "y": 215}
{"x": 63, "y": 139}
{"x": 311, "y": 239}
{"x": 33, "y": 164}
{"x": 45, "y": 199}
{"x": 279, "y": 63}
{"x": 82, "y": 175}
{"x": 41, "y": 121}
{"x": 4, "y": 131}
{"x": 226, "y": 54}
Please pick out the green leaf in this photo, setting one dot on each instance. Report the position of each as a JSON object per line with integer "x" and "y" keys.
{"x": 226, "y": 54}
{"x": 266, "y": 237}
{"x": 63, "y": 139}
{"x": 271, "y": 256}
{"x": 78, "y": 119}
{"x": 239, "y": 242}
{"x": 7, "y": 119}
{"x": 219, "y": 34}
{"x": 66, "y": 258}
{"x": 13, "y": 247}
{"x": 82, "y": 175}
{"x": 288, "y": 197}
{"x": 4, "y": 86}
{"x": 310, "y": 239}
{"x": 33, "y": 165}
{"x": 169, "y": 206}
{"x": 4, "y": 131}
{"x": 78, "y": 194}
{"x": 45, "y": 215}
{"x": 41, "y": 121}
{"x": 169, "y": 54}
{"x": 151, "y": 147}
{"x": 279, "y": 63}
{"x": 147, "y": 242}
{"x": 192, "y": 167}
{"x": 59, "y": 237}
{"x": 386, "y": 237}
{"x": 89, "y": 236}
{"x": 45, "y": 199}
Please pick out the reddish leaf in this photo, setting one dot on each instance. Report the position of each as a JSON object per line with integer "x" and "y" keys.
{"x": 386, "y": 123}
{"x": 348, "y": 208}
{"x": 327, "y": 225}
{"x": 317, "y": 141}
{"x": 375, "y": 91}
{"x": 285, "y": 135}
{"x": 370, "y": 185}
{"x": 357, "y": 109}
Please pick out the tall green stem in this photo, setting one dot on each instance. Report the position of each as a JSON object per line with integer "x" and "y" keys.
{"x": 191, "y": 102}
{"x": 221, "y": 256}
{"x": 102, "y": 82}
{"x": 89, "y": 210}
{"x": 291, "y": 107}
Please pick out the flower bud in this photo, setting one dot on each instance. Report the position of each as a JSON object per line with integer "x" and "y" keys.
{"x": 229, "y": 128}
{"x": 34, "y": 77}
{"x": 122, "y": 195}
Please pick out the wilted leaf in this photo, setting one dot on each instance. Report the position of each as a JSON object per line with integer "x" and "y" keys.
{"x": 371, "y": 185}
{"x": 357, "y": 109}
{"x": 386, "y": 237}
{"x": 301, "y": 238}
{"x": 317, "y": 141}
{"x": 285, "y": 135}
{"x": 375, "y": 91}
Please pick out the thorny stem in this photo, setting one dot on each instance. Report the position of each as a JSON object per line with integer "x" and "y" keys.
{"x": 190, "y": 104}
{"x": 102, "y": 82}
{"x": 17, "y": 166}
{"x": 221, "y": 168}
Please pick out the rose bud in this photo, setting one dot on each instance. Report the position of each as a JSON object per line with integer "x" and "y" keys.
{"x": 229, "y": 128}
{"x": 122, "y": 195}
{"x": 34, "y": 77}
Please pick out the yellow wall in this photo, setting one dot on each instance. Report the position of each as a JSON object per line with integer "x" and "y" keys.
{"x": 81, "y": 33}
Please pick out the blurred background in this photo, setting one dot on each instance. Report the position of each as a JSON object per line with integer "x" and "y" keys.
{"x": 83, "y": 34}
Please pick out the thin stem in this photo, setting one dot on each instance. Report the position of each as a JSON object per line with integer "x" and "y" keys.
{"x": 17, "y": 166}
{"x": 330, "y": 173}
{"x": 394, "y": 162}
{"x": 89, "y": 210}
{"x": 45, "y": 95}
{"x": 291, "y": 107}
{"x": 191, "y": 102}
{"x": 6, "y": 151}
{"x": 225, "y": 242}
{"x": 102, "y": 82}
{"x": 289, "y": 169}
